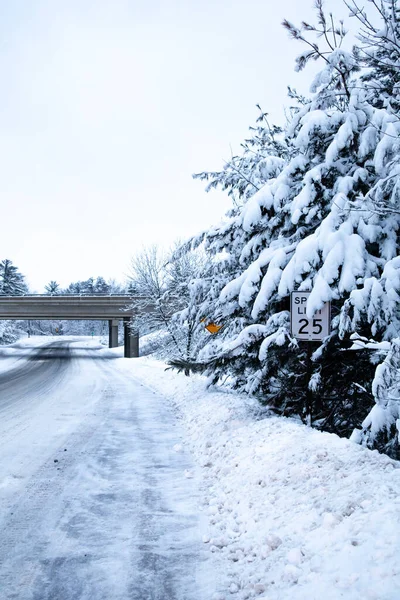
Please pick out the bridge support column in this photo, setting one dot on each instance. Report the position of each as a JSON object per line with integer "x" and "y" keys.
{"x": 131, "y": 339}
{"x": 113, "y": 333}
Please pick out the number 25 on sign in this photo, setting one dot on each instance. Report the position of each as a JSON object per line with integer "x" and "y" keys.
{"x": 303, "y": 328}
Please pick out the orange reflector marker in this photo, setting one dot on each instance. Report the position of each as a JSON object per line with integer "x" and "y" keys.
{"x": 213, "y": 327}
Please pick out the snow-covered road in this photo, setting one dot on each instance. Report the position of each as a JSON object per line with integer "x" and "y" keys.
{"x": 97, "y": 499}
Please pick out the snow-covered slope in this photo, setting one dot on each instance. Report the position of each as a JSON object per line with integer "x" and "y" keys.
{"x": 293, "y": 513}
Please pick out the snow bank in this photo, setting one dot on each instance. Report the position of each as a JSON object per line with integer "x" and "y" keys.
{"x": 11, "y": 353}
{"x": 293, "y": 513}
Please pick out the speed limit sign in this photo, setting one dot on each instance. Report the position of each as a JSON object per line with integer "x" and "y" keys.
{"x": 303, "y": 328}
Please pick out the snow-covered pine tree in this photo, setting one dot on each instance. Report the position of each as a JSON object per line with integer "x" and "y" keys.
{"x": 101, "y": 286}
{"x": 53, "y": 287}
{"x": 9, "y": 332}
{"x": 374, "y": 305}
{"x": 12, "y": 282}
{"x": 305, "y": 229}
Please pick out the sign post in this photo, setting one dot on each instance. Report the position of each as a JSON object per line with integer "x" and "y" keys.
{"x": 308, "y": 329}
{"x": 314, "y": 329}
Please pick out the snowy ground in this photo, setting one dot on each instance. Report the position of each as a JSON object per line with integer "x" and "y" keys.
{"x": 292, "y": 513}
{"x": 286, "y": 512}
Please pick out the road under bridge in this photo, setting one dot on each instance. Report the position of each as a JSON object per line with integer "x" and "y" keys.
{"x": 81, "y": 307}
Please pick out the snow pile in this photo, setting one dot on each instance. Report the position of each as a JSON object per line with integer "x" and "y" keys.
{"x": 293, "y": 513}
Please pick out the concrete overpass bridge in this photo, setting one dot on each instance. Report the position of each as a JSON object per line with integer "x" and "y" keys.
{"x": 80, "y": 307}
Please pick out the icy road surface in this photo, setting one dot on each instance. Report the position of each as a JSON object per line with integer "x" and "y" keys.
{"x": 97, "y": 500}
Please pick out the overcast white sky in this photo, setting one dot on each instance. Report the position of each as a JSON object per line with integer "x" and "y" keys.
{"x": 109, "y": 106}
